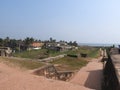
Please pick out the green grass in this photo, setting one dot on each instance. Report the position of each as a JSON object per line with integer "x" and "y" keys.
{"x": 70, "y": 63}
{"x": 73, "y": 63}
{"x": 94, "y": 53}
{"x": 91, "y": 52}
{"x": 33, "y": 54}
{"x": 66, "y": 63}
{"x": 55, "y": 53}
{"x": 36, "y": 54}
{"x": 43, "y": 53}
{"x": 28, "y": 64}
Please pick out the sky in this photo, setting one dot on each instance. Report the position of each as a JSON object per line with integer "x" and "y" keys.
{"x": 84, "y": 21}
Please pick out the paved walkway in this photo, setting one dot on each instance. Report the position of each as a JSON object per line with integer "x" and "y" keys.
{"x": 90, "y": 76}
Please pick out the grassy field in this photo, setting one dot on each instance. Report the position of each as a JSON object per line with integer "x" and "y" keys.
{"x": 43, "y": 53}
{"x": 74, "y": 63}
{"x": 38, "y": 54}
{"x": 28, "y": 64}
{"x": 33, "y": 54}
{"x": 66, "y": 63}
{"x": 69, "y": 63}
{"x": 91, "y": 52}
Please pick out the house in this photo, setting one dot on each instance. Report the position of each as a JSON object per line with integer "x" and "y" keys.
{"x": 36, "y": 45}
{"x": 5, "y": 51}
{"x": 58, "y": 46}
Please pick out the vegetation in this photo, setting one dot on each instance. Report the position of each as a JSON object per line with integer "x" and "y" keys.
{"x": 66, "y": 63}
{"x": 91, "y": 52}
{"x": 44, "y": 53}
{"x": 22, "y": 45}
{"x": 28, "y": 64}
{"x": 55, "y": 53}
{"x": 40, "y": 54}
{"x": 94, "y": 53}
{"x": 73, "y": 43}
{"x": 70, "y": 63}
{"x": 33, "y": 54}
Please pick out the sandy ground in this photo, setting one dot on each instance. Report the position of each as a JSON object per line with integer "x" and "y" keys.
{"x": 12, "y": 78}
{"x": 90, "y": 76}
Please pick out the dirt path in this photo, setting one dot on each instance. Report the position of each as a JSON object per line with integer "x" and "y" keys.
{"x": 12, "y": 78}
{"x": 90, "y": 76}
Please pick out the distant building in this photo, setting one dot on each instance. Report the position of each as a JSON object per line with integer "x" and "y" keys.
{"x": 5, "y": 51}
{"x": 36, "y": 45}
{"x": 58, "y": 46}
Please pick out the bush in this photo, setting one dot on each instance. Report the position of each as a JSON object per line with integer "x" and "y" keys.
{"x": 70, "y": 55}
{"x": 83, "y": 55}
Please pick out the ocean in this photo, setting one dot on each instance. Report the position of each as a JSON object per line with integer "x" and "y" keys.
{"x": 96, "y": 44}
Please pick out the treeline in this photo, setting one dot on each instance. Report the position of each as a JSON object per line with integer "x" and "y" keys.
{"x": 16, "y": 44}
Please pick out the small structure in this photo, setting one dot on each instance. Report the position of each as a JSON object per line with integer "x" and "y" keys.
{"x": 5, "y": 51}
{"x": 50, "y": 71}
{"x": 58, "y": 46}
{"x": 36, "y": 45}
{"x": 83, "y": 55}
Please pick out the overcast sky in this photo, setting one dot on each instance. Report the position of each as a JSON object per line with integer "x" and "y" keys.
{"x": 84, "y": 21}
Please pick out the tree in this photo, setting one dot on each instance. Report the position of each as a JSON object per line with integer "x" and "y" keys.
{"x": 70, "y": 43}
{"x": 28, "y": 41}
{"x": 51, "y": 39}
{"x": 13, "y": 43}
{"x": 75, "y": 43}
{"x": 54, "y": 40}
{"x": 6, "y": 42}
{"x": 1, "y": 42}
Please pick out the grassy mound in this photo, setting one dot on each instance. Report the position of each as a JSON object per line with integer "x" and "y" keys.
{"x": 70, "y": 63}
{"x": 28, "y": 64}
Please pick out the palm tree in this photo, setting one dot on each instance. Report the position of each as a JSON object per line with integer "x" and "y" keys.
{"x": 1, "y": 42}
{"x": 6, "y": 42}
{"x": 28, "y": 41}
